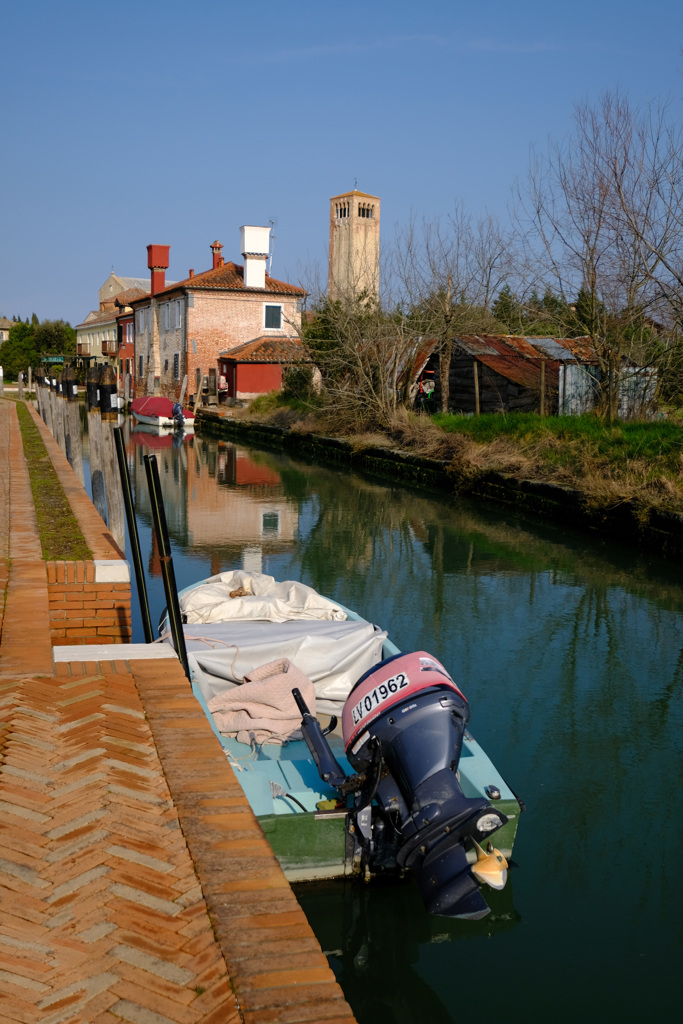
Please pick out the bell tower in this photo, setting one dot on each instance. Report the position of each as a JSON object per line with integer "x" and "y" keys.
{"x": 354, "y": 245}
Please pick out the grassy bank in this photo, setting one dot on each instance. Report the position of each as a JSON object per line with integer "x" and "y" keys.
{"x": 60, "y": 535}
{"x": 632, "y": 461}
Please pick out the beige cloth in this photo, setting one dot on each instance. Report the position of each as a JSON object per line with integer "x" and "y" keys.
{"x": 261, "y": 598}
{"x": 262, "y": 708}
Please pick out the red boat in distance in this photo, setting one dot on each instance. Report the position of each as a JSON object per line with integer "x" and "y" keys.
{"x": 157, "y": 411}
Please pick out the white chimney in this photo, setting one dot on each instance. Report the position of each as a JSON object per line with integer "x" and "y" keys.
{"x": 254, "y": 244}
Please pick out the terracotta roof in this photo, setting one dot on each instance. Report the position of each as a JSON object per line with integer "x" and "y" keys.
{"x": 130, "y": 295}
{"x": 354, "y": 192}
{"x": 98, "y": 316}
{"x": 230, "y": 277}
{"x": 268, "y": 350}
{"x": 5, "y": 324}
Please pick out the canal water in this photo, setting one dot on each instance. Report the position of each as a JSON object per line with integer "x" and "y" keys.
{"x": 570, "y": 651}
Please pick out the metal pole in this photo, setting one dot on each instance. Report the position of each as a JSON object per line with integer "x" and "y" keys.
{"x": 133, "y": 535}
{"x": 168, "y": 575}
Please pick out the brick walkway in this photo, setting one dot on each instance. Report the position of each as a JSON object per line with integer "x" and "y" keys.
{"x": 135, "y": 883}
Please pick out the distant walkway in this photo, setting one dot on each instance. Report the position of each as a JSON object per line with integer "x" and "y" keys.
{"x": 135, "y": 883}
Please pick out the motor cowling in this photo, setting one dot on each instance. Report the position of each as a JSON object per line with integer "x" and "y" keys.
{"x": 403, "y": 726}
{"x": 178, "y": 415}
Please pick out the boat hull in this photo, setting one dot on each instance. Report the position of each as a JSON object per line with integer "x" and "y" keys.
{"x": 305, "y": 821}
{"x": 316, "y": 844}
{"x": 163, "y": 422}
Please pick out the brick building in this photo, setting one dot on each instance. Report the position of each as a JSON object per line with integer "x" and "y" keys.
{"x": 180, "y": 329}
{"x": 99, "y": 336}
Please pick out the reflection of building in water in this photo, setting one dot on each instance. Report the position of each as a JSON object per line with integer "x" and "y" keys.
{"x": 218, "y": 498}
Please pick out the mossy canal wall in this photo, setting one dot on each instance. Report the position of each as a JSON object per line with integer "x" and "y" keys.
{"x": 630, "y": 521}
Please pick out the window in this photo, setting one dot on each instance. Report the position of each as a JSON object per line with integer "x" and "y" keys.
{"x": 178, "y": 312}
{"x": 270, "y": 523}
{"x": 167, "y": 315}
{"x": 129, "y": 332}
{"x": 176, "y": 365}
{"x": 272, "y": 320}
{"x": 140, "y": 367}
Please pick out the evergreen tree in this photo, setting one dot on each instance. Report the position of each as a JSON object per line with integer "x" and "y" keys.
{"x": 508, "y": 310}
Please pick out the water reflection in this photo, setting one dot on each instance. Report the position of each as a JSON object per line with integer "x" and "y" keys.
{"x": 218, "y": 499}
{"x": 376, "y": 936}
{"x": 570, "y": 651}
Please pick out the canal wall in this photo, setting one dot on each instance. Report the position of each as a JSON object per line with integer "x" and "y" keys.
{"x": 90, "y": 600}
{"x": 627, "y": 520}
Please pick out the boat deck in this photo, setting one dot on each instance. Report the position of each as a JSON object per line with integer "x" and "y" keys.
{"x": 136, "y": 883}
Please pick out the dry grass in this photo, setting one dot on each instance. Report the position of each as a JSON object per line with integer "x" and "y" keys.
{"x": 639, "y": 463}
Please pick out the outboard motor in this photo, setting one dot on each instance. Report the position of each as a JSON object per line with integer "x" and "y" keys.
{"x": 403, "y": 726}
{"x": 178, "y": 416}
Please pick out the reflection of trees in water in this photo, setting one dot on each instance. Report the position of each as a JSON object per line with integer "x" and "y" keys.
{"x": 569, "y": 650}
{"x": 588, "y": 687}
{"x": 605, "y": 736}
{"x": 368, "y": 525}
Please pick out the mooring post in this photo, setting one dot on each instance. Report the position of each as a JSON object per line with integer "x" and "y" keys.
{"x": 109, "y": 401}
{"x": 133, "y": 537}
{"x": 96, "y": 470}
{"x": 92, "y": 388}
{"x": 164, "y": 546}
{"x": 109, "y": 414}
{"x": 58, "y": 414}
{"x": 72, "y": 420}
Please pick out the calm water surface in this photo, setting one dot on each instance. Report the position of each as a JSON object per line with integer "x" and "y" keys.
{"x": 570, "y": 651}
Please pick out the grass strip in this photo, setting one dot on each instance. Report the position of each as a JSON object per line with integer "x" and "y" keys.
{"x": 572, "y": 440}
{"x": 60, "y": 535}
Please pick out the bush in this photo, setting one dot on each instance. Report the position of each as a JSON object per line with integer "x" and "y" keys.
{"x": 297, "y": 382}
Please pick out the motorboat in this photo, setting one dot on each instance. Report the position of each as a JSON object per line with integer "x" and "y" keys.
{"x": 162, "y": 413}
{"x": 355, "y": 757}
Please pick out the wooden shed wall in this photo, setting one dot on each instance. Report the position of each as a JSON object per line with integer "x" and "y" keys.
{"x": 496, "y": 392}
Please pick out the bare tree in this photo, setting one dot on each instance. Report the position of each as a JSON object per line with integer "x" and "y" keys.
{"x": 588, "y": 204}
{"x": 446, "y": 273}
{"x": 361, "y": 352}
{"x": 641, "y": 153}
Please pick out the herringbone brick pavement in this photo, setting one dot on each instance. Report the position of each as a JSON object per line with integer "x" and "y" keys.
{"x": 103, "y": 917}
{"x": 135, "y": 883}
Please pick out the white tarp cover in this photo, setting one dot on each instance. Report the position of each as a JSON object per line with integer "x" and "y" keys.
{"x": 334, "y": 655}
{"x": 265, "y": 599}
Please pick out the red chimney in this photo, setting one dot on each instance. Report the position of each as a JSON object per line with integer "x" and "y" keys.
{"x": 216, "y": 250}
{"x": 157, "y": 261}
{"x": 191, "y": 274}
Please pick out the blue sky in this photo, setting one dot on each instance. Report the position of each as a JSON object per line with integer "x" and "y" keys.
{"x": 135, "y": 122}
